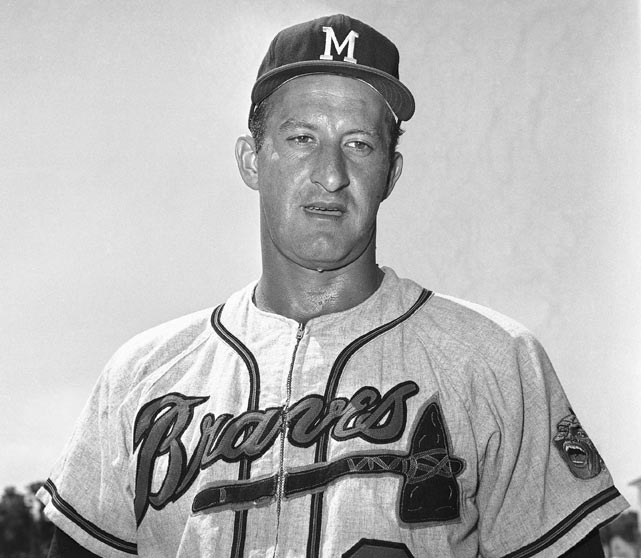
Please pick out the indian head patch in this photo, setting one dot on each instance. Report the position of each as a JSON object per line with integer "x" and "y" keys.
{"x": 576, "y": 448}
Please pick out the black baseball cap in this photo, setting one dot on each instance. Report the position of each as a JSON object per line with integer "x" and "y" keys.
{"x": 336, "y": 44}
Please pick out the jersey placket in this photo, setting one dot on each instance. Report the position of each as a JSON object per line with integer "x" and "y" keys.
{"x": 282, "y": 473}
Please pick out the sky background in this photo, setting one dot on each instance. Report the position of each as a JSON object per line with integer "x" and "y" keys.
{"x": 122, "y": 206}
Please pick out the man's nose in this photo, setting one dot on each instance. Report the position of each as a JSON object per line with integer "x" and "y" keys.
{"x": 330, "y": 170}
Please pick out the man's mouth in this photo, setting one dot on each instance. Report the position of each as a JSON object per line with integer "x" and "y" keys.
{"x": 325, "y": 210}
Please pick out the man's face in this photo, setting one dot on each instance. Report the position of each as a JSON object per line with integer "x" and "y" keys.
{"x": 323, "y": 170}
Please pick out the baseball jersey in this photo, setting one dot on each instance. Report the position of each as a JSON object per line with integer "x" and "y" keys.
{"x": 412, "y": 425}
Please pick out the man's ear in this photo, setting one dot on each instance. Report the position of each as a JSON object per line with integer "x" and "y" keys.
{"x": 246, "y": 158}
{"x": 396, "y": 168}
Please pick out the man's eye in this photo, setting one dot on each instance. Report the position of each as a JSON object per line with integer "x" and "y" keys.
{"x": 360, "y": 146}
{"x": 301, "y": 140}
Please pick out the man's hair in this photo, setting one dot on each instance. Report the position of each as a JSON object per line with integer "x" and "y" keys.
{"x": 258, "y": 123}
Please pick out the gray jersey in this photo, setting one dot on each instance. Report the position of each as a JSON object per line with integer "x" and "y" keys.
{"x": 410, "y": 425}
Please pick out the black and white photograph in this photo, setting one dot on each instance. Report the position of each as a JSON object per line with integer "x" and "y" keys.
{"x": 320, "y": 279}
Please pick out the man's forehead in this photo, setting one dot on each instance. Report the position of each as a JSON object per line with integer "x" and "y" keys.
{"x": 322, "y": 93}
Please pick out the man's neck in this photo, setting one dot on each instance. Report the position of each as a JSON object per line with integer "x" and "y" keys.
{"x": 302, "y": 294}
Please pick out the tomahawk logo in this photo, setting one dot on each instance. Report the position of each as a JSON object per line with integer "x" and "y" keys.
{"x": 330, "y": 39}
{"x": 429, "y": 492}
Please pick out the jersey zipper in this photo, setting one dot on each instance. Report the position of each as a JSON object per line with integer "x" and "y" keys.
{"x": 280, "y": 483}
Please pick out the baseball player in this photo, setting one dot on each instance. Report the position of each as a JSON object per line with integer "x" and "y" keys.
{"x": 329, "y": 409}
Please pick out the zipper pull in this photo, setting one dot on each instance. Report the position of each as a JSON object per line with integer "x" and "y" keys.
{"x": 300, "y": 332}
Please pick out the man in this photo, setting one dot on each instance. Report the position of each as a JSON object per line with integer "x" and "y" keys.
{"x": 329, "y": 409}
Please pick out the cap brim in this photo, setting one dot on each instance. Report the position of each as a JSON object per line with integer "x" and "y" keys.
{"x": 395, "y": 93}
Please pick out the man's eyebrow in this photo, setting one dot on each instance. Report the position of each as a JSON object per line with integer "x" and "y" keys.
{"x": 367, "y": 131}
{"x": 294, "y": 123}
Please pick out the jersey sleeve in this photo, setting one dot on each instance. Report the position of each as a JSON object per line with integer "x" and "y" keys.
{"x": 89, "y": 494}
{"x": 543, "y": 486}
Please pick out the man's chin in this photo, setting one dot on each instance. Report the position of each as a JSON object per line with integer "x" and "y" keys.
{"x": 333, "y": 258}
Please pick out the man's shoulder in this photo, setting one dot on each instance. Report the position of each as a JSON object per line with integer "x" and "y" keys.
{"x": 475, "y": 347}
{"x": 176, "y": 335}
{"x": 162, "y": 342}
{"x": 184, "y": 327}
{"x": 470, "y": 329}
{"x": 474, "y": 317}
{"x": 167, "y": 342}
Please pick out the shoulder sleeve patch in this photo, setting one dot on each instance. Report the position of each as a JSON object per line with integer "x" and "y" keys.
{"x": 576, "y": 448}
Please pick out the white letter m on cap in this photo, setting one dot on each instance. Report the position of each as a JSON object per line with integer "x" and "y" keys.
{"x": 330, "y": 37}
